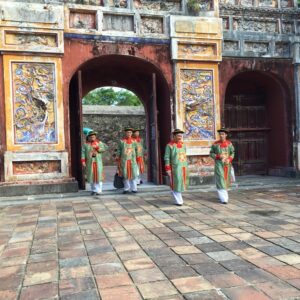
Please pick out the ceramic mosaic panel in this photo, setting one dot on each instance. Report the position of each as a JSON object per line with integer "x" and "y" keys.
{"x": 83, "y": 20}
{"x": 256, "y": 47}
{"x": 269, "y": 26}
{"x": 36, "y": 167}
{"x": 152, "y": 25}
{"x": 118, "y": 3}
{"x": 231, "y": 46}
{"x": 202, "y": 166}
{"x": 282, "y": 49}
{"x": 169, "y": 5}
{"x": 287, "y": 27}
{"x": 197, "y": 98}
{"x": 198, "y": 50}
{"x": 34, "y": 102}
{"x": 30, "y": 39}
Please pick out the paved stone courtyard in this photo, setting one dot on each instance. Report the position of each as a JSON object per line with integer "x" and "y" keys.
{"x": 142, "y": 247}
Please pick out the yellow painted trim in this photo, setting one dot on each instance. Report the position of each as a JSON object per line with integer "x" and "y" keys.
{"x": 58, "y": 34}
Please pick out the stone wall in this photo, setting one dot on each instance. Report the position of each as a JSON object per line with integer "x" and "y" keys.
{"x": 109, "y": 122}
{"x": 268, "y": 29}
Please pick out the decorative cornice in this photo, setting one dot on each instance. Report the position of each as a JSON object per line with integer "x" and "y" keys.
{"x": 230, "y": 9}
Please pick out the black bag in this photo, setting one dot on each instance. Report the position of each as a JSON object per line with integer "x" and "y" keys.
{"x": 118, "y": 181}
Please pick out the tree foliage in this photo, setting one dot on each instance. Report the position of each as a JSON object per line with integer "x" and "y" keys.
{"x": 110, "y": 96}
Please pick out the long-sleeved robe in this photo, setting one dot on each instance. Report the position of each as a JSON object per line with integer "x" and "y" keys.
{"x": 222, "y": 170}
{"x": 140, "y": 154}
{"x": 91, "y": 154}
{"x": 176, "y": 162}
{"x": 126, "y": 156}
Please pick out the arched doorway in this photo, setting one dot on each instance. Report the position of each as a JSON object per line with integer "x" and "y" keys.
{"x": 107, "y": 110}
{"x": 256, "y": 111}
{"x": 135, "y": 74}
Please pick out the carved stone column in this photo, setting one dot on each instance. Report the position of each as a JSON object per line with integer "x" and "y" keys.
{"x": 196, "y": 51}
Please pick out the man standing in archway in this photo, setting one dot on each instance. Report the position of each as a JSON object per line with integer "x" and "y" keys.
{"x": 176, "y": 165}
{"x": 126, "y": 158}
{"x": 222, "y": 151}
{"x": 140, "y": 155}
{"x": 91, "y": 159}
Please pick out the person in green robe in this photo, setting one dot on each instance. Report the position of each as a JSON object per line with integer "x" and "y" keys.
{"x": 141, "y": 154}
{"x": 91, "y": 159}
{"x": 176, "y": 165}
{"x": 127, "y": 164}
{"x": 222, "y": 151}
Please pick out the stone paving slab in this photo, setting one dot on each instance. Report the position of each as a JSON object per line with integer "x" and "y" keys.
{"x": 143, "y": 247}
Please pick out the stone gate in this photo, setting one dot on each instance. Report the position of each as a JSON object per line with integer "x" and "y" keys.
{"x": 183, "y": 63}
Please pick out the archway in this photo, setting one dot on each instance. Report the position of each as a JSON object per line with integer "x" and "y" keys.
{"x": 256, "y": 112}
{"x": 107, "y": 110}
{"x": 135, "y": 74}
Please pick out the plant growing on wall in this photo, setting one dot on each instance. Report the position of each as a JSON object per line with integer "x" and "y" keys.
{"x": 193, "y": 6}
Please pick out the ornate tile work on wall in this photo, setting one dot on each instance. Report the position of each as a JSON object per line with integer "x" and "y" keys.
{"x": 34, "y": 102}
{"x": 197, "y": 98}
{"x": 34, "y": 167}
{"x": 30, "y": 39}
{"x": 170, "y": 5}
{"x": 201, "y": 166}
{"x": 152, "y": 25}
{"x": 82, "y": 20}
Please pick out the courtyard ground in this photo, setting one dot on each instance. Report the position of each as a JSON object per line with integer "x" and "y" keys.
{"x": 128, "y": 247}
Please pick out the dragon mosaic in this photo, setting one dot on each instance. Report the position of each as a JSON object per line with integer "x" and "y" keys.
{"x": 198, "y": 104}
{"x": 34, "y": 101}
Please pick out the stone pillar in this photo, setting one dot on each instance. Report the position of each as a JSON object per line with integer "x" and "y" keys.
{"x": 34, "y": 119}
{"x": 33, "y": 86}
{"x": 296, "y": 59}
{"x": 196, "y": 51}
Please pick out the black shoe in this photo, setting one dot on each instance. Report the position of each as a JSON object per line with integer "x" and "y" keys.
{"x": 177, "y": 204}
{"x": 93, "y": 193}
{"x": 125, "y": 192}
{"x": 98, "y": 194}
{"x": 134, "y": 192}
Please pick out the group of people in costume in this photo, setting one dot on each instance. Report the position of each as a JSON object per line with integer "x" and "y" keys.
{"x": 176, "y": 165}
{"x": 130, "y": 159}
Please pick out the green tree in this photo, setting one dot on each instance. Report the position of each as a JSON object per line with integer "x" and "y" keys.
{"x": 109, "y": 96}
